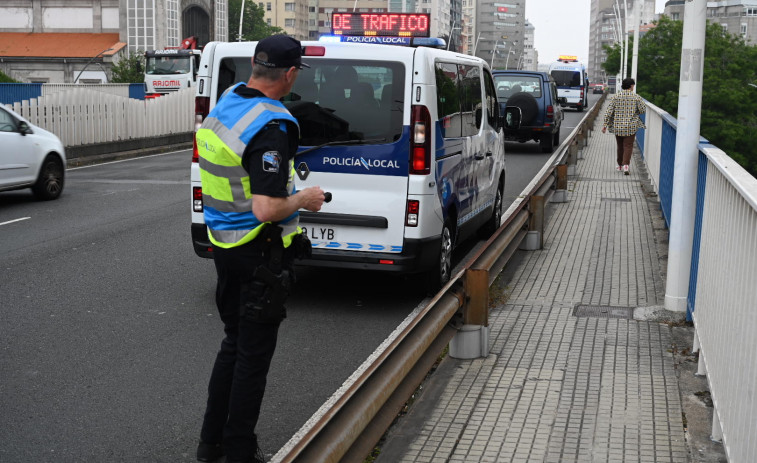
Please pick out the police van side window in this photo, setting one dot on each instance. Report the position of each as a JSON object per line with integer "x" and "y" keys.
{"x": 448, "y": 100}
{"x": 492, "y": 108}
{"x": 470, "y": 99}
{"x": 232, "y": 71}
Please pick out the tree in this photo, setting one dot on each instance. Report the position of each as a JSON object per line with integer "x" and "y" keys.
{"x": 130, "y": 70}
{"x": 254, "y": 26}
{"x": 729, "y": 118}
{"x": 5, "y": 79}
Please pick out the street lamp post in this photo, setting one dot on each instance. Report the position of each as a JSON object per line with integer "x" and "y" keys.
{"x": 510, "y": 51}
{"x": 450, "y": 33}
{"x": 494, "y": 52}
{"x": 476, "y": 45}
{"x": 90, "y": 62}
{"x": 241, "y": 15}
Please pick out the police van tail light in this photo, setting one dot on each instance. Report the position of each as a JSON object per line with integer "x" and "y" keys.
{"x": 413, "y": 208}
{"x": 202, "y": 108}
{"x": 313, "y": 50}
{"x": 420, "y": 143}
{"x": 197, "y": 199}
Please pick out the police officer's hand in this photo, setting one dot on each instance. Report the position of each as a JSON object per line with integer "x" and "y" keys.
{"x": 312, "y": 198}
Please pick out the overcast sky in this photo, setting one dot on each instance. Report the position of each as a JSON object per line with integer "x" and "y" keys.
{"x": 562, "y": 27}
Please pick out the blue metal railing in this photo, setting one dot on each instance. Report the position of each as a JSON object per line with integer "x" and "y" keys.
{"x": 640, "y": 135}
{"x": 667, "y": 165}
{"x": 16, "y": 92}
{"x": 701, "y": 186}
{"x": 13, "y": 93}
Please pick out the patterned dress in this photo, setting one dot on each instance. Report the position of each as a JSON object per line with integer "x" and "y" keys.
{"x": 622, "y": 116}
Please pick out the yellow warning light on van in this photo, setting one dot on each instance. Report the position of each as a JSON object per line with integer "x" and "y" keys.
{"x": 567, "y": 58}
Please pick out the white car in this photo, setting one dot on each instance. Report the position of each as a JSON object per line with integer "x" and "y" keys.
{"x": 30, "y": 157}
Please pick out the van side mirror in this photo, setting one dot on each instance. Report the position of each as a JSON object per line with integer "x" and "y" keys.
{"x": 512, "y": 118}
{"x": 24, "y": 128}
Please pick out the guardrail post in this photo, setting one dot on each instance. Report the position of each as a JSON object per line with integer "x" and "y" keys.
{"x": 472, "y": 339}
{"x": 572, "y": 158}
{"x": 561, "y": 184}
{"x": 534, "y": 237}
{"x": 582, "y": 142}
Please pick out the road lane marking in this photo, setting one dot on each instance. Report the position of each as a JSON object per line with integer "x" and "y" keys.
{"x": 127, "y": 160}
{"x": 14, "y": 220}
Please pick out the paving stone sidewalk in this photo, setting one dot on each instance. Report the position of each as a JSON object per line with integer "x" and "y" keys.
{"x": 571, "y": 376}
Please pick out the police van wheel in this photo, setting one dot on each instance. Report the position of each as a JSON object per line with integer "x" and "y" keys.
{"x": 440, "y": 274}
{"x": 492, "y": 224}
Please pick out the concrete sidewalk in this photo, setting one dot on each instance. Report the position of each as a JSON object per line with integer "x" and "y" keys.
{"x": 583, "y": 364}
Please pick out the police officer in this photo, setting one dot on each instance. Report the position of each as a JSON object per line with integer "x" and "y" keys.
{"x": 247, "y": 146}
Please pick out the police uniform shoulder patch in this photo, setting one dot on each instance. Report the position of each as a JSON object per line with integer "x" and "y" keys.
{"x": 271, "y": 161}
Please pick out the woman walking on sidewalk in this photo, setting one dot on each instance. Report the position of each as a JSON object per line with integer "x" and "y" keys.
{"x": 623, "y": 119}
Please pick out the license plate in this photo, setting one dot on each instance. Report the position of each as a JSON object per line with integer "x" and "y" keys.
{"x": 318, "y": 233}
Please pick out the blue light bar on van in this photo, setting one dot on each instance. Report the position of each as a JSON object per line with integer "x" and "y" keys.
{"x": 405, "y": 41}
{"x": 433, "y": 42}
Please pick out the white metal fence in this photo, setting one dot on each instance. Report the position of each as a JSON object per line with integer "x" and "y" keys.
{"x": 723, "y": 302}
{"x": 725, "y": 316}
{"x": 112, "y": 89}
{"x": 83, "y": 116}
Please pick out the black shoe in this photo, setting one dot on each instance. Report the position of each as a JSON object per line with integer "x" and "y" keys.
{"x": 209, "y": 452}
{"x": 257, "y": 458}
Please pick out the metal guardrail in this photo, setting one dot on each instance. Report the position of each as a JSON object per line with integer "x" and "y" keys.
{"x": 348, "y": 426}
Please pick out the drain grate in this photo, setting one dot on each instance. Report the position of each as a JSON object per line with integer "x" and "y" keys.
{"x": 622, "y": 200}
{"x": 603, "y": 311}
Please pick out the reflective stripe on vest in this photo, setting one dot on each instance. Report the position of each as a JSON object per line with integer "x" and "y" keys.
{"x": 221, "y": 142}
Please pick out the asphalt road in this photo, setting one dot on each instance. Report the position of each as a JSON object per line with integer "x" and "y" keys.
{"x": 109, "y": 328}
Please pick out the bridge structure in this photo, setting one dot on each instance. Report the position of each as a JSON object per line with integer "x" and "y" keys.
{"x": 561, "y": 346}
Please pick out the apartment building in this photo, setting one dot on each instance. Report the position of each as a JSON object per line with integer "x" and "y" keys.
{"x": 529, "y": 58}
{"x": 500, "y": 32}
{"x": 737, "y": 17}
{"x": 608, "y": 24}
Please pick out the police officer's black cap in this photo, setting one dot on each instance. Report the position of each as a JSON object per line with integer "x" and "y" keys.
{"x": 282, "y": 52}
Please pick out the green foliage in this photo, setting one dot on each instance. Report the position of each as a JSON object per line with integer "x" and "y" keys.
{"x": 729, "y": 117}
{"x": 4, "y": 79}
{"x": 130, "y": 70}
{"x": 254, "y": 26}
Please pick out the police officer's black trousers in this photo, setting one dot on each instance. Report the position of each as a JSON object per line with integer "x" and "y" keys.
{"x": 238, "y": 380}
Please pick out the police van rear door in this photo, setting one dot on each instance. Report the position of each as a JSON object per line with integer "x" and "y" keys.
{"x": 350, "y": 105}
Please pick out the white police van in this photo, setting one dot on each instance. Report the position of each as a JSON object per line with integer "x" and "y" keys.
{"x": 571, "y": 80}
{"x": 408, "y": 139}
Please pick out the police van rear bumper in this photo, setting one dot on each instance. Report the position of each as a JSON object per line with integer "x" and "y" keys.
{"x": 200, "y": 240}
{"x": 417, "y": 256}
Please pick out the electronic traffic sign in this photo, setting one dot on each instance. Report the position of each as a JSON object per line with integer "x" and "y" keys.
{"x": 381, "y": 24}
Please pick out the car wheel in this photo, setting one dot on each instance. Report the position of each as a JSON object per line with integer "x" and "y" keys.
{"x": 545, "y": 141}
{"x": 49, "y": 184}
{"x": 441, "y": 272}
{"x": 556, "y": 138}
{"x": 529, "y": 108}
{"x": 492, "y": 224}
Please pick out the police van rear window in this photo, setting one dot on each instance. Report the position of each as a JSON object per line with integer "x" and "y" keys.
{"x": 338, "y": 100}
{"x": 509, "y": 85}
{"x": 567, "y": 78}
